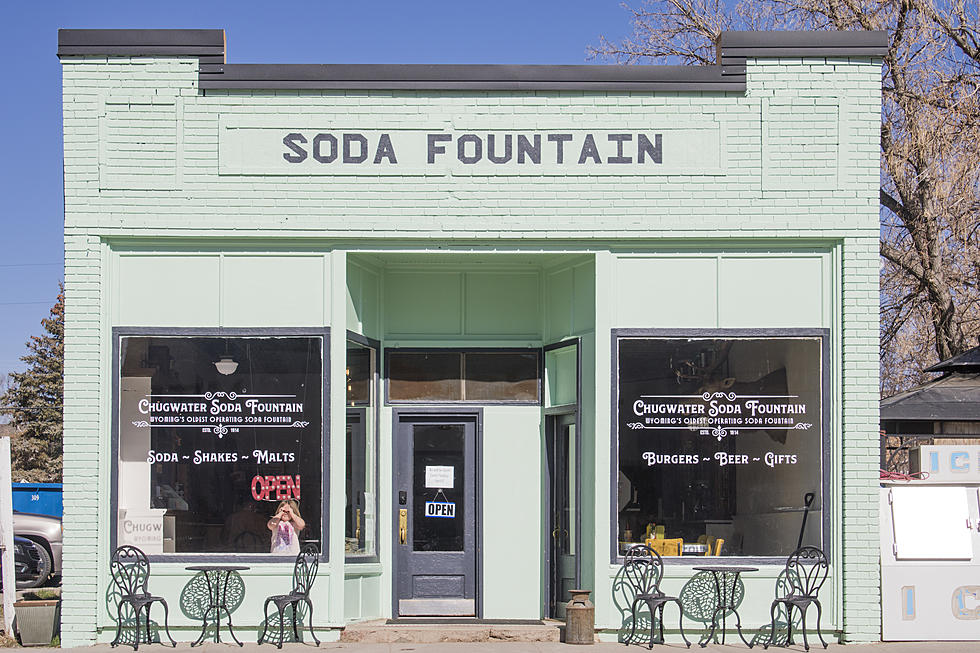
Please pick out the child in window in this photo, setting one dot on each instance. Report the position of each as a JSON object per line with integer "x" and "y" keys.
{"x": 286, "y": 525}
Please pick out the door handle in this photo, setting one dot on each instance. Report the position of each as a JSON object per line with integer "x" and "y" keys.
{"x": 403, "y": 525}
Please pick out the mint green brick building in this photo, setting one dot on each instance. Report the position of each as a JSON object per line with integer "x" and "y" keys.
{"x": 487, "y": 326}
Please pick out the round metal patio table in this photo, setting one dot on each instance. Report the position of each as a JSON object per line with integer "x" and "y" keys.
{"x": 725, "y": 576}
{"x": 217, "y": 577}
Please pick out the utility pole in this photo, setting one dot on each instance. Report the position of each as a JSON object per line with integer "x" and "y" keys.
{"x": 7, "y": 537}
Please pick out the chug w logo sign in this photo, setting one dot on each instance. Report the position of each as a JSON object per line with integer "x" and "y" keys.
{"x": 720, "y": 414}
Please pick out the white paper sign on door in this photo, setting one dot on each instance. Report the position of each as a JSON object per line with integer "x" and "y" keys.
{"x": 439, "y": 476}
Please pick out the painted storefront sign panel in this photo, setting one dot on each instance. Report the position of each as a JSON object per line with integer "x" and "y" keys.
{"x": 288, "y": 148}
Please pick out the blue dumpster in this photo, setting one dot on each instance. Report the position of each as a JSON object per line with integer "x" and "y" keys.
{"x": 40, "y": 498}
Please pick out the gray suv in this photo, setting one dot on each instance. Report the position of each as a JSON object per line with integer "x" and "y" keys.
{"x": 46, "y": 532}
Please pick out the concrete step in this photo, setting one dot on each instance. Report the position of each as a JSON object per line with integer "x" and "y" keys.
{"x": 429, "y": 632}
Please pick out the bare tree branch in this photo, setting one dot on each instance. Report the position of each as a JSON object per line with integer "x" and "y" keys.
{"x": 930, "y": 147}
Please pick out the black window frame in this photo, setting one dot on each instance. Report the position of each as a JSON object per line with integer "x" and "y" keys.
{"x": 537, "y": 351}
{"x": 826, "y": 486}
{"x": 118, "y": 333}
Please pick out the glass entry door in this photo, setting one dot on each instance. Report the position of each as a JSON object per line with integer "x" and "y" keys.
{"x": 435, "y": 516}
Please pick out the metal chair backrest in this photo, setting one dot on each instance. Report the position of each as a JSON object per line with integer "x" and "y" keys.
{"x": 130, "y": 570}
{"x": 304, "y": 570}
{"x": 806, "y": 571}
{"x": 643, "y": 568}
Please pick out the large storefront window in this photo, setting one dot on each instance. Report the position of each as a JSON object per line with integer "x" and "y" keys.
{"x": 721, "y": 439}
{"x": 361, "y": 477}
{"x": 215, "y": 434}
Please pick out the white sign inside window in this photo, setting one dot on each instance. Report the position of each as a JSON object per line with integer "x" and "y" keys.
{"x": 142, "y": 530}
{"x": 439, "y": 476}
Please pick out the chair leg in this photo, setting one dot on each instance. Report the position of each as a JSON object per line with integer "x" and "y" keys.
{"x": 149, "y": 638}
{"x": 819, "y": 614}
{"x": 680, "y": 622}
{"x": 282, "y": 635}
{"x": 137, "y": 611}
{"x": 294, "y": 606}
{"x": 772, "y": 625}
{"x": 652, "y": 613}
{"x": 806, "y": 645}
{"x": 662, "y": 606}
{"x": 789, "y": 624}
{"x": 309, "y": 604}
{"x": 265, "y": 616}
{"x": 166, "y": 622}
{"x": 629, "y": 640}
{"x": 115, "y": 642}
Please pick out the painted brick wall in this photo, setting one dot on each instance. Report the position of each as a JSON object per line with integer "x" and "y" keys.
{"x": 141, "y": 161}
{"x": 862, "y": 595}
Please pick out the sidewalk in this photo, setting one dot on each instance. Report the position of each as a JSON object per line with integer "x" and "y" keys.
{"x": 530, "y": 647}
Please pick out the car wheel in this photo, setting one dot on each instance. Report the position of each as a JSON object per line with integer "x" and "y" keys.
{"x": 44, "y": 567}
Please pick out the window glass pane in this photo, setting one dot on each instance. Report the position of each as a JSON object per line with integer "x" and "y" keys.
{"x": 213, "y": 434}
{"x": 361, "y": 507}
{"x": 561, "y": 376}
{"x": 360, "y": 373}
{"x": 501, "y": 376}
{"x": 424, "y": 376}
{"x": 720, "y": 438}
{"x": 438, "y": 446}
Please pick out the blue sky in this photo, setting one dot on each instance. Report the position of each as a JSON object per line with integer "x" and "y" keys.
{"x": 325, "y": 31}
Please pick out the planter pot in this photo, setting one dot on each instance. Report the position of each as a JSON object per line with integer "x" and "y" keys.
{"x": 36, "y": 621}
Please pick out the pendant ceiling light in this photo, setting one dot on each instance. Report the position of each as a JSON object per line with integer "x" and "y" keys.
{"x": 226, "y": 364}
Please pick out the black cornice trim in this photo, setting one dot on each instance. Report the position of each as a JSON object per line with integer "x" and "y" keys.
{"x": 205, "y": 44}
{"x": 209, "y": 46}
{"x": 735, "y": 47}
{"x": 821, "y": 43}
{"x": 467, "y": 77}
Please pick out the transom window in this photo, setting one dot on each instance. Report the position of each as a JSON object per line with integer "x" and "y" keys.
{"x": 475, "y": 376}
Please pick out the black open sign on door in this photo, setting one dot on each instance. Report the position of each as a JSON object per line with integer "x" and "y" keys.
{"x": 440, "y": 509}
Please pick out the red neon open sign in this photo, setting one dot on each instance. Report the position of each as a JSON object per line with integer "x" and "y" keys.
{"x": 278, "y": 488}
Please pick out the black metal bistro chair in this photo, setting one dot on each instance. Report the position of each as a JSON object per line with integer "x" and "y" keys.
{"x": 806, "y": 571}
{"x": 304, "y": 573}
{"x": 130, "y": 571}
{"x": 643, "y": 570}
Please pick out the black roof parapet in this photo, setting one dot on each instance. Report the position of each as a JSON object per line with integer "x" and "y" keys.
{"x": 735, "y": 47}
{"x": 209, "y": 47}
{"x": 469, "y": 77}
